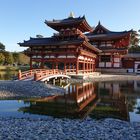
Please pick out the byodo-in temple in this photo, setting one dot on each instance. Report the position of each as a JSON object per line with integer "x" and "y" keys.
{"x": 77, "y": 47}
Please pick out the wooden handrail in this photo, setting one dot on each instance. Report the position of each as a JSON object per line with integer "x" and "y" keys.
{"x": 38, "y": 73}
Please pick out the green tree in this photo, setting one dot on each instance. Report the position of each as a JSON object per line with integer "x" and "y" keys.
{"x": 134, "y": 42}
{"x": 8, "y": 58}
{"x": 23, "y": 59}
{"x": 2, "y": 58}
{"x": 2, "y": 47}
{"x": 16, "y": 57}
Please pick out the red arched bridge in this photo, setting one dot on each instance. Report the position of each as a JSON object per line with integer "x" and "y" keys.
{"x": 42, "y": 74}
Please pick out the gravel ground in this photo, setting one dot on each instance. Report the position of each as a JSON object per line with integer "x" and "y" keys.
{"x": 19, "y": 89}
{"x": 61, "y": 129}
{"x": 65, "y": 129}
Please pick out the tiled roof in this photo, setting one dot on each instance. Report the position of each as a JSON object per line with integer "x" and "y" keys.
{"x": 48, "y": 41}
{"x": 107, "y": 36}
{"x": 102, "y": 33}
{"x": 70, "y": 22}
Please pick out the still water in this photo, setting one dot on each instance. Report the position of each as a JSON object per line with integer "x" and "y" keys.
{"x": 98, "y": 100}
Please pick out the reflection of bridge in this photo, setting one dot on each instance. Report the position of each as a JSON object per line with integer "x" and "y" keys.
{"x": 42, "y": 74}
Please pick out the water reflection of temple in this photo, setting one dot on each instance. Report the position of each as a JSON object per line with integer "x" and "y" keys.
{"x": 98, "y": 100}
{"x": 112, "y": 102}
{"x": 77, "y": 102}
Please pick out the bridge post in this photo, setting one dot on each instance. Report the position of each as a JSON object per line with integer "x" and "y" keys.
{"x": 53, "y": 71}
{"x": 35, "y": 76}
{"x": 19, "y": 75}
{"x": 61, "y": 80}
{"x": 30, "y": 72}
{"x": 54, "y": 81}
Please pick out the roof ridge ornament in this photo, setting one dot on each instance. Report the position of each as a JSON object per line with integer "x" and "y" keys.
{"x": 71, "y": 15}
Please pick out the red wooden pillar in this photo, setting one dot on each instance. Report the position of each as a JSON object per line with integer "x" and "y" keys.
{"x": 112, "y": 61}
{"x": 77, "y": 66}
{"x": 53, "y": 68}
{"x": 87, "y": 66}
{"x": 93, "y": 64}
{"x": 31, "y": 63}
{"x": 42, "y": 64}
{"x": 84, "y": 66}
{"x": 65, "y": 67}
{"x": 56, "y": 67}
{"x": 73, "y": 67}
{"x": 90, "y": 66}
{"x": 19, "y": 75}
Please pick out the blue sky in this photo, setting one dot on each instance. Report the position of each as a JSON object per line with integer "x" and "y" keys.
{"x": 22, "y": 19}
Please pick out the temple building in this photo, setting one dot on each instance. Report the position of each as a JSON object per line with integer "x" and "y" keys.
{"x": 68, "y": 50}
{"x": 77, "y": 47}
{"x": 114, "y": 46}
{"x": 131, "y": 62}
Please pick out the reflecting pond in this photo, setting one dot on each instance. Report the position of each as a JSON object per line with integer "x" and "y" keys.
{"x": 98, "y": 100}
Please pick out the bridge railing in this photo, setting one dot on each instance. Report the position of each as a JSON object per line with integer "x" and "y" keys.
{"x": 38, "y": 74}
{"x": 41, "y": 75}
{"x": 29, "y": 73}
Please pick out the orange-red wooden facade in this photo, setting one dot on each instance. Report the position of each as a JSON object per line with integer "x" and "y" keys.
{"x": 75, "y": 52}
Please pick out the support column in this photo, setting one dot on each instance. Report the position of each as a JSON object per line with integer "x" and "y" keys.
{"x": 65, "y": 67}
{"x": 87, "y": 67}
{"x": 31, "y": 63}
{"x": 77, "y": 66}
{"x": 90, "y": 66}
{"x": 53, "y": 68}
{"x": 42, "y": 63}
{"x": 112, "y": 60}
{"x": 54, "y": 81}
{"x": 19, "y": 75}
{"x": 84, "y": 66}
{"x": 56, "y": 67}
{"x": 93, "y": 63}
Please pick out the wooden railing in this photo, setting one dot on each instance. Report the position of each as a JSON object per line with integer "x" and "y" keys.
{"x": 41, "y": 75}
{"x": 38, "y": 74}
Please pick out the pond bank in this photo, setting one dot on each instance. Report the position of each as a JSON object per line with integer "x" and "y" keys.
{"x": 106, "y": 77}
{"x": 66, "y": 129}
{"x": 27, "y": 89}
